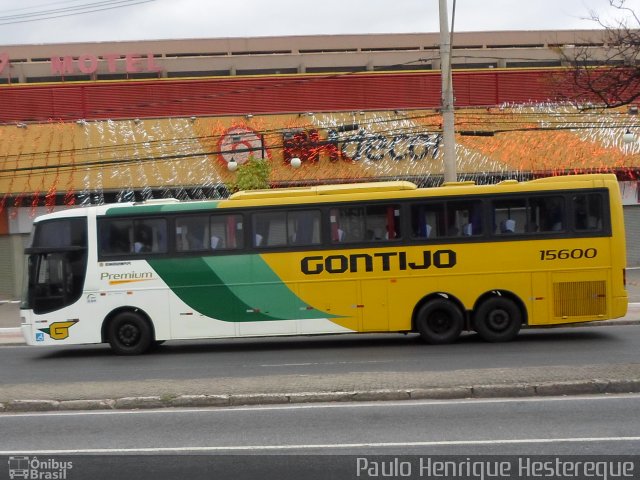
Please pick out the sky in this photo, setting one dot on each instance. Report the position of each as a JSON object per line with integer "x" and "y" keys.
{"x": 123, "y": 20}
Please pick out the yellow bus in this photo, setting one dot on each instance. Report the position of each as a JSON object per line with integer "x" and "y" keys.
{"x": 370, "y": 257}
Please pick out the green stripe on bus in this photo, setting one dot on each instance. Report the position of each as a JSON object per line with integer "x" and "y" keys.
{"x": 164, "y": 208}
{"x": 233, "y": 288}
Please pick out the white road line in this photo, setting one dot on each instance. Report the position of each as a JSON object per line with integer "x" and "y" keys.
{"x": 333, "y": 446}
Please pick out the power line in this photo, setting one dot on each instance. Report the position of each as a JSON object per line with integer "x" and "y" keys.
{"x": 67, "y": 11}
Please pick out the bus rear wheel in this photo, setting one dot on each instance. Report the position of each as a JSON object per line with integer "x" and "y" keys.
{"x": 498, "y": 319}
{"x": 129, "y": 334}
{"x": 439, "y": 321}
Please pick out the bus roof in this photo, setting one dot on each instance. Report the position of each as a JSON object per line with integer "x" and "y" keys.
{"x": 311, "y": 194}
{"x": 339, "y": 189}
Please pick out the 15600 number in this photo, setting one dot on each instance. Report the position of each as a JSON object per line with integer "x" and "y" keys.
{"x": 566, "y": 254}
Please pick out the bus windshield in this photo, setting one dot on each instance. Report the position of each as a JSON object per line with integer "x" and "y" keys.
{"x": 56, "y": 265}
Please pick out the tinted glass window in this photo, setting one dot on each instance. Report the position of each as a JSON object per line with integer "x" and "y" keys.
{"x": 588, "y": 212}
{"x": 134, "y": 237}
{"x": 509, "y": 216}
{"x": 464, "y": 218}
{"x": 278, "y": 229}
{"x": 67, "y": 232}
{"x": 365, "y": 224}
{"x": 428, "y": 220}
{"x": 547, "y": 214}
{"x": 227, "y": 232}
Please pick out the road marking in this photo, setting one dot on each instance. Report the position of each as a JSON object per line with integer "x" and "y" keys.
{"x": 332, "y": 446}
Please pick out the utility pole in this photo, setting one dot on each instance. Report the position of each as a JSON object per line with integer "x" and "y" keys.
{"x": 448, "y": 122}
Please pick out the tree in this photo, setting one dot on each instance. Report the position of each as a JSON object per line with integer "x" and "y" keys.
{"x": 608, "y": 74}
{"x": 252, "y": 175}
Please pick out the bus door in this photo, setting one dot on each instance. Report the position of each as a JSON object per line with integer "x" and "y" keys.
{"x": 375, "y": 305}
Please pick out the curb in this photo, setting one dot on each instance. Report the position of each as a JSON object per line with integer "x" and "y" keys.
{"x": 582, "y": 387}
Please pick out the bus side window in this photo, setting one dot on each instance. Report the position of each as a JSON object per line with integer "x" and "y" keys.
{"x": 116, "y": 236}
{"x": 509, "y": 216}
{"x": 348, "y": 224}
{"x": 150, "y": 235}
{"x": 427, "y": 221}
{"x": 192, "y": 233}
{"x": 464, "y": 218}
{"x": 588, "y": 212}
{"x": 382, "y": 222}
{"x": 226, "y": 232}
{"x": 552, "y": 215}
{"x": 303, "y": 227}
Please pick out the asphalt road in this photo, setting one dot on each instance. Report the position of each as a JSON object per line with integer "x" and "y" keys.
{"x": 321, "y": 355}
{"x": 328, "y": 364}
{"x": 555, "y": 426}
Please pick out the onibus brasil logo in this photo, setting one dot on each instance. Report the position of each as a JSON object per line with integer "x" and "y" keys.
{"x": 36, "y": 469}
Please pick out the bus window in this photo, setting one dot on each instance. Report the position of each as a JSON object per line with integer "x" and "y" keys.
{"x": 347, "y": 224}
{"x": 71, "y": 232}
{"x": 509, "y": 216}
{"x": 303, "y": 227}
{"x": 428, "y": 221}
{"x": 382, "y": 222}
{"x": 464, "y": 218}
{"x": 192, "y": 233}
{"x": 116, "y": 236}
{"x": 588, "y": 212}
{"x": 226, "y": 232}
{"x": 150, "y": 235}
{"x": 278, "y": 229}
{"x": 133, "y": 236}
{"x": 547, "y": 213}
{"x": 365, "y": 224}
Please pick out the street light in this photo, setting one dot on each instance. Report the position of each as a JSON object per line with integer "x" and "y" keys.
{"x": 628, "y": 137}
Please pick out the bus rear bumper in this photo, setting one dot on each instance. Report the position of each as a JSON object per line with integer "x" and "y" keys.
{"x": 620, "y": 306}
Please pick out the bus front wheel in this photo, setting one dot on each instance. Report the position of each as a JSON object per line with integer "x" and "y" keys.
{"x": 129, "y": 334}
{"x": 439, "y": 321}
{"x": 498, "y": 319}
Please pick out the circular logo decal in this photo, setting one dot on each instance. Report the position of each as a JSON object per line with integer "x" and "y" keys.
{"x": 239, "y": 143}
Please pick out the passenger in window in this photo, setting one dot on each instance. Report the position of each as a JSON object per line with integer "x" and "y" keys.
{"x": 556, "y": 216}
{"x": 143, "y": 241}
{"x": 215, "y": 242}
{"x": 508, "y": 226}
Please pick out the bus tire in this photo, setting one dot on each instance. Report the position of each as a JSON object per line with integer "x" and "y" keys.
{"x": 439, "y": 321}
{"x": 129, "y": 334}
{"x": 498, "y": 319}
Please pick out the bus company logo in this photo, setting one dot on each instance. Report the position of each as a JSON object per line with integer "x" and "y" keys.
{"x": 383, "y": 261}
{"x": 57, "y": 330}
{"x": 36, "y": 469}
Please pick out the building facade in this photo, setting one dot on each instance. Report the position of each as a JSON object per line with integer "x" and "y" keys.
{"x": 104, "y": 122}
